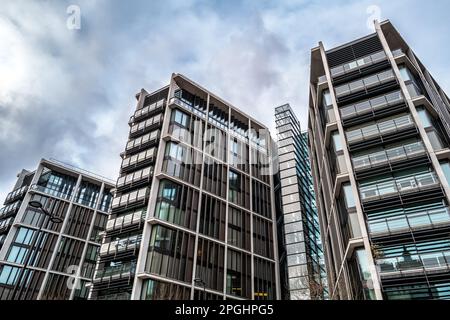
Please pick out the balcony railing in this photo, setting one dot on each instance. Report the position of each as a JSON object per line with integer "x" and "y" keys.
{"x": 142, "y": 113}
{"x": 6, "y": 223}
{"x": 399, "y": 186}
{"x": 116, "y": 296}
{"x": 127, "y": 220}
{"x": 143, "y": 140}
{"x": 145, "y": 124}
{"x": 410, "y": 221}
{"x": 422, "y": 262}
{"x": 380, "y": 128}
{"x": 197, "y": 111}
{"x": 138, "y": 158}
{"x": 13, "y": 195}
{"x": 371, "y": 105}
{"x": 364, "y": 84}
{"x": 119, "y": 271}
{"x": 135, "y": 177}
{"x": 121, "y": 245}
{"x": 389, "y": 156}
{"x": 130, "y": 198}
{"x": 10, "y": 209}
{"x": 358, "y": 64}
{"x": 52, "y": 192}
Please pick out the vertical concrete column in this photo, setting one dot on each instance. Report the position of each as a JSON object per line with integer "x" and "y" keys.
{"x": 197, "y": 228}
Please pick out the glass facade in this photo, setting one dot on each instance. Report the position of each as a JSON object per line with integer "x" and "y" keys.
{"x": 42, "y": 255}
{"x": 395, "y": 187}
{"x": 303, "y": 271}
{"x": 206, "y": 199}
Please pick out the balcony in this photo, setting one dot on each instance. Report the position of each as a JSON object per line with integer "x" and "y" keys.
{"x": 138, "y": 160}
{"x": 119, "y": 272}
{"x": 360, "y": 67}
{"x": 65, "y": 195}
{"x": 389, "y": 159}
{"x": 16, "y": 194}
{"x": 369, "y": 86}
{"x": 146, "y": 125}
{"x": 372, "y": 109}
{"x": 408, "y": 265}
{"x": 429, "y": 219}
{"x": 142, "y": 142}
{"x": 147, "y": 111}
{"x": 414, "y": 188}
{"x": 116, "y": 296}
{"x": 135, "y": 179}
{"x": 10, "y": 209}
{"x": 5, "y": 224}
{"x": 130, "y": 200}
{"x": 121, "y": 247}
{"x": 125, "y": 222}
{"x": 381, "y": 132}
{"x": 187, "y": 106}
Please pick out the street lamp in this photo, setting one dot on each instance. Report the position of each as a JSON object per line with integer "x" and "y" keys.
{"x": 56, "y": 220}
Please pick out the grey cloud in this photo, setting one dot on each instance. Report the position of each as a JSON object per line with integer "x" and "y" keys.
{"x": 69, "y": 93}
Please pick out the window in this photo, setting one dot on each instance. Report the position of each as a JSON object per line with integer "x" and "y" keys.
{"x": 17, "y": 254}
{"x": 180, "y": 117}
{"x": 348, "y": 194}
{"x": 404, "y": 72}
{"x": 175, "y": 151}
{"x": 327, "y": 98}
{"x": 24, "y": 236}
{"x": 234, "y": 182}
{"x": 424, "y": 117}
{"x": 9, "y": 275}
{"x": 337, "y": 145}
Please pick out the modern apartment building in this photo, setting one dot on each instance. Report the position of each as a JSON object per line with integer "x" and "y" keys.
{"x": 49, "y": 232}
{"x": 379, "y": 140}
{"x": 193, "y": 215}
{"x": 303, "y": 275}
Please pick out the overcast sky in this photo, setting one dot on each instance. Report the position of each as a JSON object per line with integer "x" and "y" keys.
{"x": 68, "y": 93}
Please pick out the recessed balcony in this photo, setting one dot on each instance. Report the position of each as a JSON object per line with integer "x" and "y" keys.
{"x": 359, "y": 67}
{"x": 381, "y": 132}
{"x": 130, "y": 200}
{"x": 147, "y": 111}
{"x": 389, "y": 159}
{"x": 125, "y": 222}
{"x": 197, "y": 110}
{"x": 146, "y": 125}
{"x": 135, "y": 179}
{"x": 121, "y": 247}
{"x": 373, "y": 109}
{"x": 10, "y": 209}
{"x": 402, "y": 190}
{"x": 408, "y": 265}
{"x": 16, "y": 194}
{"x": 366, "y": 87}
{"x": 5, "y": 224}
{"x": 142, "y": 142}
{"x": 62, "y": 194}
{"x": 427, "y": 219}
{"x": 138, "y": 160}
{"x": 116, "y": 272}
